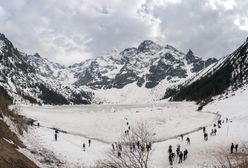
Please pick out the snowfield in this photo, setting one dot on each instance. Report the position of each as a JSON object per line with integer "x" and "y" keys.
{"x": 105, "y": 123}
{"x": 108, "y": 122}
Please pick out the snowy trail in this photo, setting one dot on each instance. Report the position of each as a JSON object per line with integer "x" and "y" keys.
{"x": 77, "y": 134}
{"x": 218, "y": 116}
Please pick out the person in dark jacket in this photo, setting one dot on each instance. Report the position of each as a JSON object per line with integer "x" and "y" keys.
{"x": 185, "y": 154}
{"x": 83, "y": 146}
{"x": 119, "y": 154}
{"x": 188, "y": 140}
{"x": 170, "y": 159}
{"x": 236, "y": 147}
{"x": 89, "y": 141}
{"x": 55, "y": 136}
{"x": 180, "y": 157}
{"x": 178, "y": 150}
{"x": 204, "y": 129}
{"x": 205, "y": 136}
{"x": 232, "y": 146}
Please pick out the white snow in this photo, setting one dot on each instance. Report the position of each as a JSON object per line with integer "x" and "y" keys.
{"x": 105, "y": 123}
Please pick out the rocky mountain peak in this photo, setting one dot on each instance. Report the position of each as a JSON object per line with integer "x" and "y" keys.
{"x": 148, "y": 46}
{"x": 4, "y": 42}
{"x": 37, "y": 55}
{"x": 190, "y": 57}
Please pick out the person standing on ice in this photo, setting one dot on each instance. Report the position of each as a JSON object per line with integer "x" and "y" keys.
{"x": 113, "y": 147}
{"x": 84, "y": 147}
{"x": 89, "y": 141}
{"x": 55, "y": 136}
{"x": 232, "y": 146}
{"x": 181, "y": 137}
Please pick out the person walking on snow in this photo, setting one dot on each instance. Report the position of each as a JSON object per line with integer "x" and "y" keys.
{"x": 89, "y": 141}
{"x": 180, "y": 157}
{"x": 84, "y": 147}
{"x": 232, "y": 146}
{"x": 55, "y": 136}
{"x": 171, "y": 159}
{"x": 236, "y": 147}
{"x": 178, "y": 150}
{"x": 119, "y": 154}
{"x": 185, "y": 154}
{"x": 205, "y": 136}
{"x": 204, "y": 129}
{"x": 188, "y": 140}
{"x": 181, "y": 137}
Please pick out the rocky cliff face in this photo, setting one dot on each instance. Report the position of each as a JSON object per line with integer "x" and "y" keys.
{"x": 20, "y": 76}
{"x": 227, "y": 75}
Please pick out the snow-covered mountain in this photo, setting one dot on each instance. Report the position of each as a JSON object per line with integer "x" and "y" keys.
{"x": 20, "y": 77}
{"x": 146, "y": 65}
{"x": 222, "y": 78}
{"x": 138, "y": 74}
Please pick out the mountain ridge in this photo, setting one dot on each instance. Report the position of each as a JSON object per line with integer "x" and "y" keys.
{"x": 146, "y": 66}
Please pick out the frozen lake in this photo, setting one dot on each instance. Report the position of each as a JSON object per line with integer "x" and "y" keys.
{"x": 108, "y": 122}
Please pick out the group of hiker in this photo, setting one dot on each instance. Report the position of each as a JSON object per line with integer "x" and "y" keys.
{"x": 181, "y": 155}
{"x": 133, "y": 147}
{"x": 84, "y": 146}
{"x": 56, "y": 138}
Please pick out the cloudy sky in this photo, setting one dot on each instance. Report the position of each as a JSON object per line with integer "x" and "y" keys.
{"x": 69, "y": 31}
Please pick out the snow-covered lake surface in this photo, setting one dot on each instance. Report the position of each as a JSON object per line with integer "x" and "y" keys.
{"x": 105, "y": 123}
{"x": 108, "y": 122}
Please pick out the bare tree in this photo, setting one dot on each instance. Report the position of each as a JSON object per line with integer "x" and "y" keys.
{"x": 235, "y": 160}
{"x": 133, "y": 151}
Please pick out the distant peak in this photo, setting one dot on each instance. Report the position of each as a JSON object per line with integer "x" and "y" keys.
{"x": 5, "y": 41}
{"x": 190, "y": 57}
{"x": 148, "y": 46}
{"x": 190, "y": 52}
{"x": 2, "y": 36}
{"x": 37, "y": 55}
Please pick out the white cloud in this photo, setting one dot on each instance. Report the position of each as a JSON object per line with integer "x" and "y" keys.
{"x": 242, "y": 23}
{"x": 2, "y": 11}
{"x": 226, "y": 4}
{"x": 69, "y": 31}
